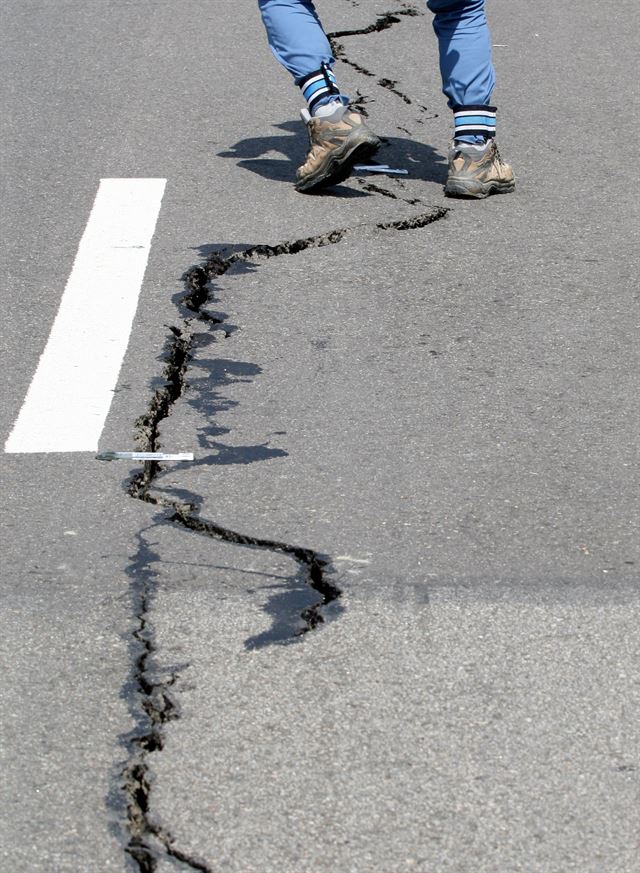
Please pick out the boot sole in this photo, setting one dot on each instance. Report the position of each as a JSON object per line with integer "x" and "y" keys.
{"x": 477, "y": 190}
{"x": 340, "y": 164}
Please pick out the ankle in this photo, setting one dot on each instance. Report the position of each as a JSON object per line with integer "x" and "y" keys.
{"x": 320, "y": 89}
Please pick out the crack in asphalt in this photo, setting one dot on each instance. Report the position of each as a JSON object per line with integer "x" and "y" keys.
{"x": 390, "y": 85}
{"x": 384, "y": 21}
{"x": 372, "y": 188}
{"x": 147, "y": 840}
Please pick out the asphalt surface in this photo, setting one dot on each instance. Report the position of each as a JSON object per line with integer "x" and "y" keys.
{"x": 437, "y": 423}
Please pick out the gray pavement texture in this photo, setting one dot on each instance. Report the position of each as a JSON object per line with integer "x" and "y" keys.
{"x": 440, "y": 422}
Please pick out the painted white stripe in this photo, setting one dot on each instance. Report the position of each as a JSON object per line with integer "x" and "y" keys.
{"x": 71, "y": 392}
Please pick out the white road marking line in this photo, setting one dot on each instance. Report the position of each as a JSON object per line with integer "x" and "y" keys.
{"x": 69, "y": 397}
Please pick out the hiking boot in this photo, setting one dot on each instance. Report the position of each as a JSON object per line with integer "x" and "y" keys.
{"x": 477, "y": 171}
{"x": 338, "y": 141}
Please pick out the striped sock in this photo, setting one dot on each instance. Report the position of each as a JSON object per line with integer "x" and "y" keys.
{"x": 318, "y": 87}
{"x": 474, "y": 121}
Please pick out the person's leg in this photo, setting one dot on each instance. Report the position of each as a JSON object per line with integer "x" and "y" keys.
{"x": 468, "y": 78}
{"x": 339, "y": 138}
{"x": 299, "y": 43}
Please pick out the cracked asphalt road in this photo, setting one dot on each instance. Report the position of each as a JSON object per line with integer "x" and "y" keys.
{"x": 387, "y": 620}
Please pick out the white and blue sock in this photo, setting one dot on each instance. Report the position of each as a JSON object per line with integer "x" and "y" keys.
{"x": 320, "y": 89}
{"x": 474, "y": 124}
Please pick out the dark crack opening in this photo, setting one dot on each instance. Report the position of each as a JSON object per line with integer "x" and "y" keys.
{"x": 147, "y": 841}
{"x": 155, "y": 708}
{"x": 383, "y": 22}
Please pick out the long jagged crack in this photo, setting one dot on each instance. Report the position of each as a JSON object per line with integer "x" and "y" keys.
{"x": 383, "y": 22}
{"x": 148, "y": 841}
{"x": 314, "y": 565}
{"x": 196, "y": 284}
{"x": 179, "y": 354}
{"x": 197, "y": 277}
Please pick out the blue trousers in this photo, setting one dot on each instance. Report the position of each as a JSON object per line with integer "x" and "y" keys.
{"x": 298, "y": 41}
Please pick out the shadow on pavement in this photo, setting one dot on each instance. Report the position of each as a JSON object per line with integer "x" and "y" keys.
{"x": 421, "y": 160}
